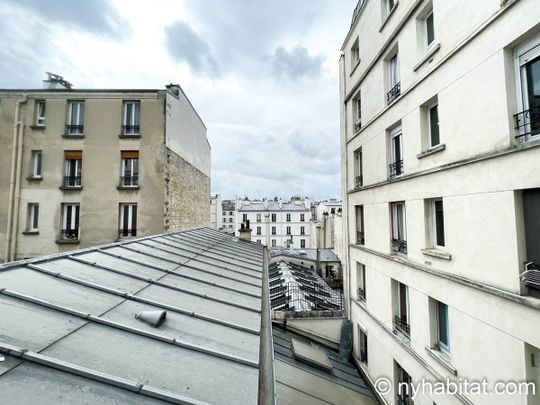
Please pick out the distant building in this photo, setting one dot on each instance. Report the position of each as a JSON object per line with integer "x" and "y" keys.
{"x": 84, "y": 167}
{"x": 332, "y": 206}
{"x": 228, "y": 215}
{"x": 216, "y": 213}
{"x": 323, "y": 261}
{"x": 277, "y": 223}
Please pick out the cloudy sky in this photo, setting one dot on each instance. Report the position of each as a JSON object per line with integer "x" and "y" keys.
{"x": 263, "y": 74}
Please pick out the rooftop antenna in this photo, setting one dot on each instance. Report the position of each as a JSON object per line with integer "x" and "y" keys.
{"x": 55, "y": 81}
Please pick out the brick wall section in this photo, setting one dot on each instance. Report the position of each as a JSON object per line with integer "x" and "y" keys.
{"x": 187, "y": 195}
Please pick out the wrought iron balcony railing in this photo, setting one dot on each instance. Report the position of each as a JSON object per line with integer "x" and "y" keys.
{"x": 129, "y": 181}
{"x": 360, "y": 237}
{"x": 72, "y": 181}
{"x": 402, "y": 325}
{"x": 357, "y": 126}
{"x": 127, "y": 233}
{"x": 69, "y": 234}
{"x": 528, "y": 122}
{"x": 130, "y": 129}
{"x": 396, "y": 168}
{"x": 399, "y": 246}
{"x": 361, "y": 294}
{"x": 74, "y": 129}
{"x": 393, "y": 93}
{"x": 358, "y": 181}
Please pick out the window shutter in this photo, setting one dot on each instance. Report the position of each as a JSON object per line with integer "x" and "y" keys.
{"x": 73, "y": 154}
{"x": 130, "y": 154}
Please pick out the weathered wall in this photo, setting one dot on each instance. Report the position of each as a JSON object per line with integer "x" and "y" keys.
{"x": 187, "y": 193}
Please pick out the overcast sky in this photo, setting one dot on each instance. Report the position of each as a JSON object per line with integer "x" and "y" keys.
{"x": 263, "y": 75}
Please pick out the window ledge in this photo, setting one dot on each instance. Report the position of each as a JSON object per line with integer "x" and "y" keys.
{"x": 428, "y": 57}
{"x": 68, "y": 241}
{"x": 128, "y": 136}
{"x": 36, "y": 232}
{"x": 37, "y": 126}
{"x": 442, "y": 358}
{"x": 71, "y": 188}
{"x": 133, "y": 188}
{"x": 73, "y": 136}
{"x": 437, "y": 253}
{"x": 32, "y": 178}
{"x": 431, "y": 151}
{"x": 390, "y": 13}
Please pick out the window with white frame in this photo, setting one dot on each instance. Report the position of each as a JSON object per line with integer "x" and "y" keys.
{"x": 75, "y": 124}
{"x": 258, "y": 241}
{"x": 360, "y": 236}
{"x": 132, "y": 118}
{"x": 273, "y": 243}
{"x": 430, "y": 29}
{"x": 527, "y": 120}
{"x": 288, "y": 230}
{"x": 259, "y": 230}
{"x": 302, "y": 243}
{"x": 40, "y": 113}
{"x": 72, "y": 168}
{"x": 362, "y": 345}
{"x": 357, "y": 113}
{"x": 273, "y": 230}
{"x": 130, "y": 168}
{"x": 358, "y": 175}
{"x": 288, "y": 217}
{"x": 70, "y": 221}
{"x": 244, "y": 217}
{"x": 433, "y": 125}
{"x": 258, "y": 217}
{"x": 399, "y": 227}
{"x": 394, "y": 84}
{"x": 396, "y": 152}
{"x": 361, "y": 281}
{"x": 273, "y": 217}
{"x": 302, "y": 217}
{"x": 443, "y": 340}
{"x": 37, "y": 157}
{"x": 436, "y": 222}
{"x": 127, "y": 220}
{"x": 403, "y": 385}
{"x": 355, "y": 54}
{"x": 32, "y": 218}
{"x": 302, "y": 230}
{"x": 401, "y": 307}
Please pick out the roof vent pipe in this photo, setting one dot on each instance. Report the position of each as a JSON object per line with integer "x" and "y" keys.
{"x": 152, "y": 318}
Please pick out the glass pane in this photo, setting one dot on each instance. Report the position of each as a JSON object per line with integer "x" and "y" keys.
{"x": 533, "y": 92}
{"x": 81, "y": 114}
{"x": 129, "y": 114}
{"x": 137, "y": 112}
{"x": 439, "y": 223}
{"x": 443, "y": 323}
{"x": 36, "y": 216}
{"x": 134, "y": 217}
{"x": 430, "y": 29}
{"x": 434, "y": 125}
{"x": 68, "y": 217}
{"x": 38, "y": 164}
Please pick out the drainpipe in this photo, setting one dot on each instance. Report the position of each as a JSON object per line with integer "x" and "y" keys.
{"x": 13, "y": 205}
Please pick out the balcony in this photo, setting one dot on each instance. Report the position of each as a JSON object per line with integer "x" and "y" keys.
{"x": 74, "y": 130}
{"x": 396, "y": 168}
{"x": 129, "y": 181}
{"x": 360, "y": 237}
{"x": 71, "y": 182}
{"x": 528, "y": 122}
{"x": 394, "y": 93}
{"x": 127, "y": 233}
{"x": 358, "y": 181}
{"x": 531, "y": 278}
{"x": 399, "y": 246}
{"x": 402, "y": 325}
{"x": 361, "y": 294}
{"x": 69, "y": 234}
{"x": 130, "y": 130}
{"x": 357, "y": 126}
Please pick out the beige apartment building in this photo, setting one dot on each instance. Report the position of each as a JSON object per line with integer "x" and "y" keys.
{"x": 440, "y": 134}
{"x": 85, "y": 167}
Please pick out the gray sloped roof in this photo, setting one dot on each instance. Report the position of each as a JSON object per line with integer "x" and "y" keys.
{"x": 325, "y": 255}
{"x": 273, "y": 206}
{"x": 68, "y": 332}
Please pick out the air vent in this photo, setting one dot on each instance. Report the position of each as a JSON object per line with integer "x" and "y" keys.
{"x": 152, "y": 318}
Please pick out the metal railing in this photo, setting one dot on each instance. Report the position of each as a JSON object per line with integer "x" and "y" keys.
{"x": 528, "y": 122}
{"x": 69, "y": 234}
{"x": 402, "y": 325}
{"x": 360, "y": 238}
{"x": 307, "y": 296}
{"x": 358, "y": 181}
{"x": 396, "y": 168}
{"x": 127, "y": 233}
{"x": 361, "y": 294}
{"x": 129, "y": 181}
{"x": 130, "y": 129}
{"x": 357, "y": 125}
{"x": 393, "y": 93}
{"x": 399, "y": 246}
{"x": 74, "y": 129}
{"x": 72, "y": 181}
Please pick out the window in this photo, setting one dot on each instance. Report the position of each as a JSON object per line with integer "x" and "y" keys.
{"x": 437, "y": 222}
{"x": 131, "y": 122}
{"x": 433, "y": 125}
{"x": 302, "y": 217}
{"x": 273, "y": 217}
{"x": 244, "y": 217}
{"x": 302, "y": 243}
{"x": 127, "y": 220}
{"x": 393, "y": 75}
{"x": 273, "y": 230}
{"x": 32, "y": 217}
{"x": 259, "y": 230}
{"x": 362, "y": 345}
{"x": 302, "y": 230}
{"x": 259, "y": 241}
{"x": 273, "y": 243}
{"x": 258, "y": 217}
{"x": 130, "y": 168}
{"x": 430, "y": 29}
{"x": 361, "y": 281}
{"x": 528, "y": 71}
{"x": 40, "y": 113}
{"x": 401, "y": 317}
{"x": 404, "y": 388}
{"x": 72, "y": 170}
{"x": 355, "y": 54}
{"x": 70, "y": 221}
{"x": 36, "y": 164}
{"x": 230, "y": 219}
{"x": 442, "y": 326}
{"x": 288, "y": 217}
{"x": 399, "y": 228}
{"x": 357, "y": 113}
{"x": 288, "y": 230}
{"x": 358, "y": 177}
{"x": 391, "y": 4}
{"x": 396, "y": 152}
{"x": 359, "y": 224}
{"x": 531, "y": 215}
{"x": 75, "y": 124}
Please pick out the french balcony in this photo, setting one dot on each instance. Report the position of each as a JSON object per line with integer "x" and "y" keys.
{"x": 360, "y": 238}
{"x": 528, "y": 122}
{"x": 396, "y": 168}
{"x": 361, "y": 294}
{"x": 394, "y": 93}
{"x": 71, "y": 182}
{"x": 399, "y": 246}
{"x": 129, "y": 181}
{"x": 358, "y": 181}
{"x": 131, "y": 130}
{"x": 69, "y": 234}
{"x": 127, "y": 233}
{"x": 402, "y": 325}
{"x": 74, "y": 129}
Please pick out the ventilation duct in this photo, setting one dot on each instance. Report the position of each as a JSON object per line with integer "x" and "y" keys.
{"x": 152, "y": 318}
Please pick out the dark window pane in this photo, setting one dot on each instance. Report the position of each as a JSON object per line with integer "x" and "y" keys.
{"x": 443, "y": 323}
{"x": 36, "y": 216}
{"x": 533, "y": 92}
{"x": 38, "y": 164}
{"x": 430, "y": 29}
{"x": 439, "y": 222}
{"x": 434, "y": 126}
{"x": 134, "y": 218}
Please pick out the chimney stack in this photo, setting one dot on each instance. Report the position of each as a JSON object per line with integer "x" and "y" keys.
{"x": 245, "y": 231}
